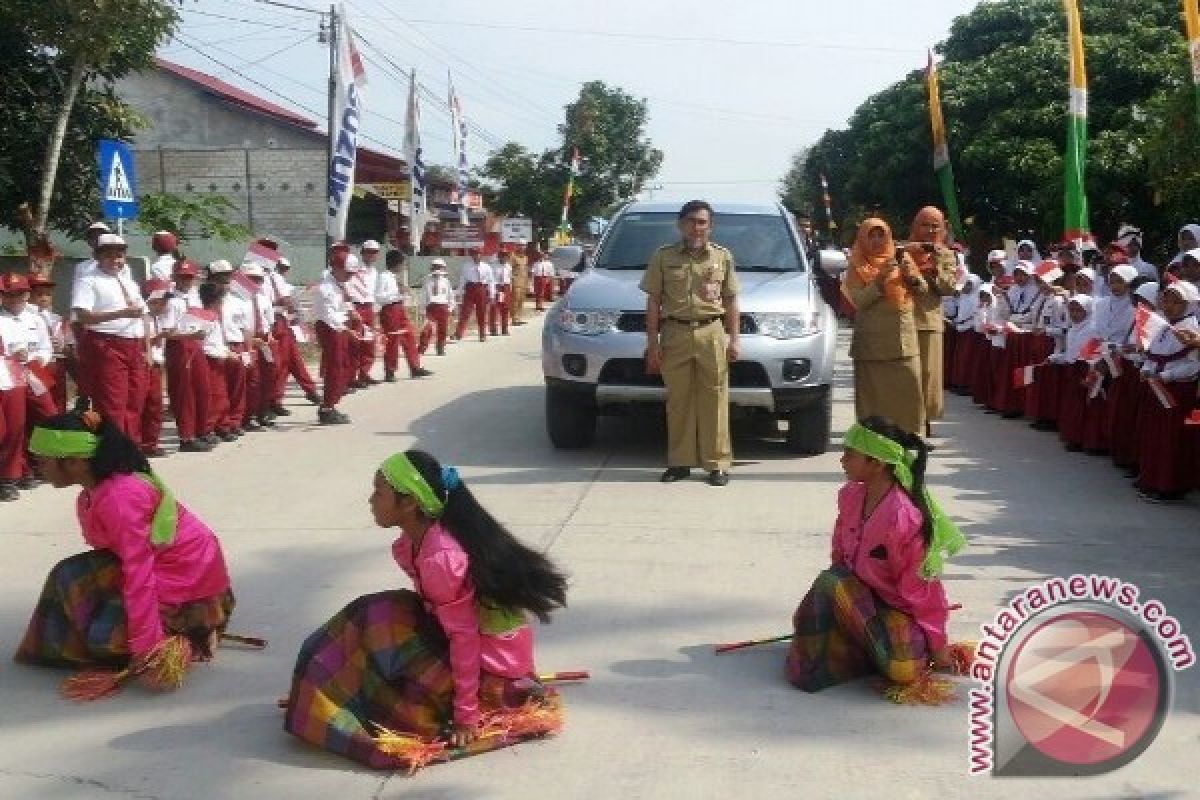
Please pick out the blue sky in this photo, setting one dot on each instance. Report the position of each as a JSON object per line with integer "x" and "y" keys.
{"x": 734, "y": 89}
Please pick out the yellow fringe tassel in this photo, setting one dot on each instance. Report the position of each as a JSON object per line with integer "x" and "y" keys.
{"x": 164, "y": 668}
{"x": 926, "y": 690}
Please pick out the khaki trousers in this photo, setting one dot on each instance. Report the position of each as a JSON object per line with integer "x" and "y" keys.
{"x": 517, "y": 305}
{"x": 696, "y": 374}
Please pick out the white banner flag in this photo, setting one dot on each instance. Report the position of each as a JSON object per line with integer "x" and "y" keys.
{"x": 459, "y": 121}
{"x": 416, "y": 163}
{"x": 349, "y": 80}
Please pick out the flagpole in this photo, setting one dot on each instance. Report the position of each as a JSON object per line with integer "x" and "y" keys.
{"x": 1191, "y": 18}
{"x": 941, "y": 149}
{"x": 329, "y": 144}
{"x": 1075, "y": 205}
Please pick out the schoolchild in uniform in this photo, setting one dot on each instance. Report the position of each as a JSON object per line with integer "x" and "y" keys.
{"x": 158, "y": 326}
{"x": 185, "y": 364}
{"x": 394, "y": 325}
{"x": 437, "y": 295}
{"x": 1081, "y": 337}
{"x": 499, "y": 310}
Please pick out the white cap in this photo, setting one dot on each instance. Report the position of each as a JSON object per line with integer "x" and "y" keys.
{"x": 1088, "y": 273}
{"x": 1194, "y": 253}
{"x": 158, "y": 294}
{"x": 370, "y": 244}
{"x": 997, "y": 255}
{"x": 1024, "y": 266}
{"x": 437, "y": 263}
{"x": 99, "y": 226}
{"x": 220, "y": 267}
{"x": 1186, "y": 290}
{"x": 110, "y": 240}
{"x": 352, "y": 263}
{"x": 1149, "y": 292}
{"x": 1125, "y": 272}
{"x": 253, "y": 269}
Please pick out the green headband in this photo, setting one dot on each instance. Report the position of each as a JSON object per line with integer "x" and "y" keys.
{"x": 63, "y": 444}
{"x": 83, "y": 444}
{"x": 947, "y": 538}
{"x": 405, "y": 478}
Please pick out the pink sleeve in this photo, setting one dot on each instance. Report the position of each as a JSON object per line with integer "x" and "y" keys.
{"x": 446, "y": 584}
{"x": 124, "y": 518}
{"x": 841, "y": 549}
{"x": 926, "y": 600}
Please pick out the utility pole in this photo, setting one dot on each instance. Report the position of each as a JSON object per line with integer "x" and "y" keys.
{"x": 331, "y": 29}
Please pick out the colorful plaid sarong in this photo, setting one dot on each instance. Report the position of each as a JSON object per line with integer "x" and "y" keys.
{"x": 843, "y": 631}
{"x": 79, "y": 620}
{"x": 382, "y": 665}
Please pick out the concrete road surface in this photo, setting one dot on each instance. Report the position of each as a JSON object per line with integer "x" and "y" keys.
{"x": 658, "y": 574}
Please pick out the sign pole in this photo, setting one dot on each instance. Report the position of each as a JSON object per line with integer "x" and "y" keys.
{"x": 333, "y": 45}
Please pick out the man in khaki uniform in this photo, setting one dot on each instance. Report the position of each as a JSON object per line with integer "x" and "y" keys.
{"x": 520, "y": 285}
{"x": 691, "y": 290}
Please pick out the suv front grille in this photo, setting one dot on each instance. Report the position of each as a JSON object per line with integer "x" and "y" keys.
{"x": 635, "y": 322}
{"x": 632, "y": 372}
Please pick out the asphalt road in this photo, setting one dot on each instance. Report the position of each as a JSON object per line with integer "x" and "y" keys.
{"x": 659, "y": 574}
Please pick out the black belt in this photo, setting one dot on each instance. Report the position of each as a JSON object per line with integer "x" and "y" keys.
{"x": 694, "y": 323}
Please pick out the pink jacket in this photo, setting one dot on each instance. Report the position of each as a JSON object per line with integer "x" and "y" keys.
{"x": 886, "y": 553}
{"x": 439, "y": 573}
{"x": 116, "y": 516}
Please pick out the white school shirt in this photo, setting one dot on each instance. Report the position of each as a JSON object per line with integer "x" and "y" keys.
{"x": 155, "y": 326}
{"x": 1167, "y": 344}
{"x": 1145, "y": 269}
{"x": 236, "y": 318}
{"x": 1021, "y": 300}
{"x": 436, "y": 290}
{"x": 949, "y": 307}
{"x": 1113, "y": 318}
{"x": 99, "y": 292}
{"x": 503, "y": 273}
{"x": 29, "y": 334}
{"x": 162, "y": 268}
{"x": 478, "y": 272}
{"x": 387, "y": 289}
{"x": 330, "y": 304}
{"x": 12, "y": 336}
{"x": 279, "y": 290}
{"x": 54, "y": 325}
{"x": 214, "y": 344}
{"x": 358, "y": 286}
{"x": 266, "y": 311}
{"x": 1077, "y": 336}
{"x": 543, "y": 269}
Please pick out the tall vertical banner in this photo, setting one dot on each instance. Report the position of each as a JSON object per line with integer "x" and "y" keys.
{"x": 1075, "y": 164}
{"x": 418, "y": 200}
{"x": 941, "y": 150}
{"x": 459, "y": 121}
{"x": 1191, "y": 18}
{"x": 564, "y": 225}
{"x": 349, "y": 80}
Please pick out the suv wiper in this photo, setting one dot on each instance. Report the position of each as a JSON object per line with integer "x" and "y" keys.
{"x": 620, "y": 266}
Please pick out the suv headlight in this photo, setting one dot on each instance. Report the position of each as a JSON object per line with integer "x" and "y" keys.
{"x": 588, "y": 322}
{"x": 788, "y": 325}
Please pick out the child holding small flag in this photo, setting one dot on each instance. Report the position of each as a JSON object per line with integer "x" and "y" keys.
{"x": 1113, "y": 322}
{"x": 1168, "y": 395}
{"x": 1080, "y": 347}
{"x": 1126, "y": 389}
{"x": 444, "y": 670}
{"x": 186, "y": 327}
{"x": 880, "y": 606}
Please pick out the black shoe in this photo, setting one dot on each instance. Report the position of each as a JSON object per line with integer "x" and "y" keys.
{"x": 195, "y": 446}
{"x": 266, "y": 421}
{"x": 280, "y": 411}
{"x": 212, "y": 439}
{"x": 313, "y": 398}
{"x": 441, "y": 351}
{"x": 227, "y": 436}
{"x": 1012, "y": 415}
{"x": 718, "y": 477}
{"x": 27, "y": 482}
{"x": 673, "y": 474}
{"x": 8, "y": 492}
{"x": 420, "y": 372}
{"x": 389, "y": 377}
{"x": 155, "y": 452}
{"x": 331, "y": 416}
{"x": 251, "y": 426}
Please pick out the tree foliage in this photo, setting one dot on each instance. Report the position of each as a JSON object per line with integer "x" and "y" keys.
{"x": 608, "y": 126}
{"x": 1004, "y": 93}
{"x": 201, "y": 216}
{"x": 44, "y": 42}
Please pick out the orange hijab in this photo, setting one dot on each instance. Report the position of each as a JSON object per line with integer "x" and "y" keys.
{"x": 867, "y": 262}
{"x": 921, "y": 232}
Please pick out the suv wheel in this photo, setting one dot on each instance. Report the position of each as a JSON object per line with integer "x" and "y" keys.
{"x": 570, "y": 424}
{"x": 809, "y": 427}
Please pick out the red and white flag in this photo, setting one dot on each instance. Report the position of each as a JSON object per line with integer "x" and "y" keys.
{"x": 262, "y": 255}
{"x": 1147, "y": 325}
{"x": 1091, "y": 350}
{"x": 1023, "y": 376}
{"x": 1164, "y": 396}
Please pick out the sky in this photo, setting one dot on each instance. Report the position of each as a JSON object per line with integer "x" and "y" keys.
{"x": 734, "y": 89}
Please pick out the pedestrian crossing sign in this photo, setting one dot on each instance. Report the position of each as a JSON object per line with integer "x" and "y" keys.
{"x": 118, "y": 186}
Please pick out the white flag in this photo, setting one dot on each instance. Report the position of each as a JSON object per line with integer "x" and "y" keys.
{"x": 416, "y": 161}
{"x": 460, "y": 146}
{"x": 349, "y": 80}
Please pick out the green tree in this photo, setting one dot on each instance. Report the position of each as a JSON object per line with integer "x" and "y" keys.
{"x": 62, "y": 57}
{"x": 1004, "y": 92}
{"x": 528, "y": 185}
{"x": 202, "y": 216}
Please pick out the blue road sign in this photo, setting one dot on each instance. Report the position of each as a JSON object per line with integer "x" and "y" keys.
{"x": 118, "y": 185}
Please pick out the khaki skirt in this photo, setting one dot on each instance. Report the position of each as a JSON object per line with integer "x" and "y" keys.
{"x": 890, "y": 389}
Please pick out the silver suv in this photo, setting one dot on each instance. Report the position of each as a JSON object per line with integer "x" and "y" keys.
{"x": 594, "y": 340}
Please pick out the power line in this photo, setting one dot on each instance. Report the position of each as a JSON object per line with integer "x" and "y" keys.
{"x": 245, "y": 21}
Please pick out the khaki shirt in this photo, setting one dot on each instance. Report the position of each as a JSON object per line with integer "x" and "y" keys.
{"x": 927, "y": 301}
{"x": 692, "y": 286}
{"x": 882, "y": 332}
{"x": 520, "y": 267}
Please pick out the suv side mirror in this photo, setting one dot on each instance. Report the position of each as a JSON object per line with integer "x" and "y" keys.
{"x": 832, "y": 262}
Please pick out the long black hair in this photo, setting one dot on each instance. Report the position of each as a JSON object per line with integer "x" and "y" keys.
{"x": 910, "y": 441}
{"x": 506, "y": 573}
{"x": 116, "y": 454}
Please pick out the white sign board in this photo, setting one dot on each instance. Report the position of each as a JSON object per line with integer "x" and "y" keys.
{"x": 514, "y": 229}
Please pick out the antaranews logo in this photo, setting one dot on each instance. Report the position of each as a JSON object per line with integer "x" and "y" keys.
{"x": 1076, "y": 677}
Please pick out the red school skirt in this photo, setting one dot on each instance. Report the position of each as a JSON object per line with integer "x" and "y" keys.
{"x": 1165, "y": 462}
{"x": 1123, "y": 401}
{"x": 1071, "y": 405}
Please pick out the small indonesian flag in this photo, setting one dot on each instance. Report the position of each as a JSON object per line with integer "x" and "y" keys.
{"x": 1009, "y": 327}
{"x": 1147, "y": 325}
{"x": 1090, "y": 350}
{"x": 203, "y": 315}
{"x": 1193, "y": 418}
{"x": 38, "y": 378}
{"x": 1024, "y": 376}
{"x": 1165, "y": 398}
{"x": 1094, "y": 382}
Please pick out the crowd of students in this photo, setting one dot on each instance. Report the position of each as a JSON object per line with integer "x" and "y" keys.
{"x": 222, "y": 341}
{"x": 1098, "y": 345}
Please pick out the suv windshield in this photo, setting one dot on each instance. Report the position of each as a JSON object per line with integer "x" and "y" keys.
{"x": 759, "y": 241}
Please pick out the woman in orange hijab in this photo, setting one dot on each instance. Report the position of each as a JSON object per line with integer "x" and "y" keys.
{"x": 938, "y": 267}
{"x": 887, "y": 367}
